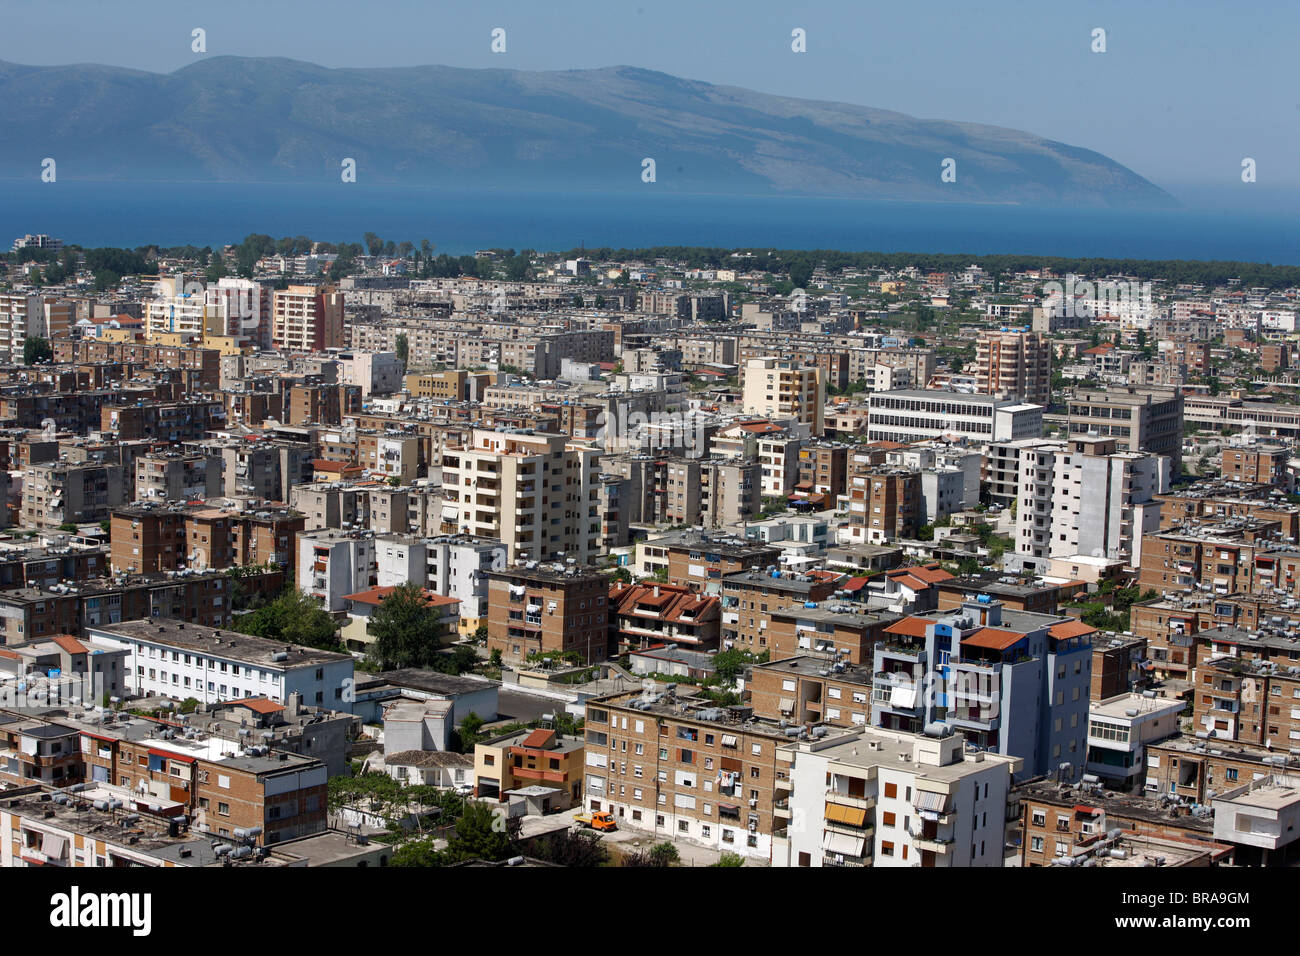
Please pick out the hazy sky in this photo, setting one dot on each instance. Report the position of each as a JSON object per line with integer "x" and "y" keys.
{"x": 1186, "y": 89}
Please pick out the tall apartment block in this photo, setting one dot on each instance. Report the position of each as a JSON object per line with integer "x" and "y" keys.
{"x": 779, "y": 388}
{"x": 1013, "y": 682}
{"x": 534, "y": 492}
{"x": 540, "y": 609}
{"x": 307, "y": 318}
{"x": 1014, "y": 364}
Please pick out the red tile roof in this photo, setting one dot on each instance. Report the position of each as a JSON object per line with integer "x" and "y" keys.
{"x": 994, "y": 638}
{"x": 1070, "y": 629}
{"x": 260, "y": 705}
{"x": 376, "y": 596}
{"x": 539, "y": 738}
{"x": 70, "y": 644}
{"x": 908, "y": 627}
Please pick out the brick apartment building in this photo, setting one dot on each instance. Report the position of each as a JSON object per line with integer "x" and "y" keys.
{"x": 548, "y": 608}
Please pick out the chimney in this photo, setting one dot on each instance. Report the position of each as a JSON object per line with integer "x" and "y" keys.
{"x": 656, "y": 590}
{"x": 293, "y": 704}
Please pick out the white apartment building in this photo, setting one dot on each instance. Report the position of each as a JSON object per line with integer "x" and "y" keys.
{"x": 452, "y": 565}
{"x": 536, "y": 493}
{"x": 779, "y": 388}
{"x": 778, "y": 459}
{"x": 378, "y": 373}
{"x": 882, "y": 798}
{"x": 180, "y": 660}
{"x": 1083, "y": 497}
{"x": 1119, "y": 730}
{"x": 21, "y": 316}
{"x": 912, "y": 415}
{"x": 332, "y": 564}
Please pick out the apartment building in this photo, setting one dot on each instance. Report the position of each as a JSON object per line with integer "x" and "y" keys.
{"x": 884, "y": 505}
{"x": 891, "y": 799}
{"x": 307, "y": 318}
{"x": 176, "y": 476}
{"x": 536, "y": 493}
{"x": 750, "y": 597}
{"x": 1015, "y": 364}
{"x": 531, "y": 760}
{"x": 913, "y": 415}
{"x": 452, "y": 565}
{"x": 701, "y": 560}
{"x": 686, "y": 769}
{"x": 1257, "y": 464}
{"x": 823, "y": 469}
{"x": 643, "y": 616}
{"x": 1141, "y": 420}
{"x": 58, "y": 493}
{"x": 1084, "y": 497}
{"x": 334, "y": 564}
{"x": 781, "y": 389}
{"x": 846, "y": 631}
{"x": 1014, "y": 682}
{"x": 1120, "y": 729}
{"x": 548, "y": 609}
{"x": 176, "y": 659}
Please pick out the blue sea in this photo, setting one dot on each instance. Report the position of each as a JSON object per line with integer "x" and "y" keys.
{"x": 459, "y": 221}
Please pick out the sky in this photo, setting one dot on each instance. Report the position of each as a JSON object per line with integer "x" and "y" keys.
{"x": 1185, "y": 90}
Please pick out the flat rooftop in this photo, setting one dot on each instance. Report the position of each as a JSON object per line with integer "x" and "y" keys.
{"x": 215, "y": 642}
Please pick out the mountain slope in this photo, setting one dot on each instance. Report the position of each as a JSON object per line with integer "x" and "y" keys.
{"x": 242, "y": 119}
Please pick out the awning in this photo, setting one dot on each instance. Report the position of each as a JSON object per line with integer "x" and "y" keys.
{"x": 728, "y": 740}
{"x": 853, "y": 816}
{"x": 903, "y": 695}
{"x": 928, "y": 800}
{"x": 843, "y": 843}
{"x": 53, "y": 845}
{"x": 786, "y": 705}
{"x": 534, "y": 609}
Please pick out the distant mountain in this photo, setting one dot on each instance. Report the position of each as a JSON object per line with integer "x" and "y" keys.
{"x": 253, "y": 119}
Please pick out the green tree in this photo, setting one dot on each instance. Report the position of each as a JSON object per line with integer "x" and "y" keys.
{"x": 37, "y": 350}
{"x": 402, "y": 346}
{"x": 294, "y": 617}
{"x": 406, "y": 628}
{"x": 420, "y": 852}
{"x": 730, "y": 859}
{"x": 570, "y": 848}
{"x": 664, "y": 854}
{"x": 482, "y": 833}
{"x": 374, "y": 245}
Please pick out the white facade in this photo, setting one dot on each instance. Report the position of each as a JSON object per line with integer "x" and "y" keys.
{"x": 220, "y": 672}
{"x": 332, "y": 564}
{"x": 893, "y": 799}
{"x": 451, "y": 565}
{"x": 1071, "y": 502}
{"x": 912, "y": 415}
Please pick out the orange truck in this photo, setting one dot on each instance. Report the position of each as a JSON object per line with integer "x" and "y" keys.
{"x": 600, "y": 820}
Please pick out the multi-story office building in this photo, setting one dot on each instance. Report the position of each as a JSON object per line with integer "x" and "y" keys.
{"x": 1141, "y": 420}
{"x": 893, "y": 799}
{"x": 535, "y": 493}
{"x": 912, "y": 415}
{"x": 1014, "y": 364}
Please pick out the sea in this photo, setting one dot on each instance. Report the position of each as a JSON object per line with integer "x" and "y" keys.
{"x": 460, "y": 221}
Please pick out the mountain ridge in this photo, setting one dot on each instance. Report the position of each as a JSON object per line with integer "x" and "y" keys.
{"x": 276, "y": 119}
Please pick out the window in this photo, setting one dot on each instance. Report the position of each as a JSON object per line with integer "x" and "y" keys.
{"x": 223, "y": 809}
{"x": 891, "y": 790}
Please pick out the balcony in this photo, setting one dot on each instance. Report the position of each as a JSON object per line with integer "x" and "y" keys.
{"x": 941, "y": 845}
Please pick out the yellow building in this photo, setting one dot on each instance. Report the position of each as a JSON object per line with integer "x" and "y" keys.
{"x": 539, "y": 759}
